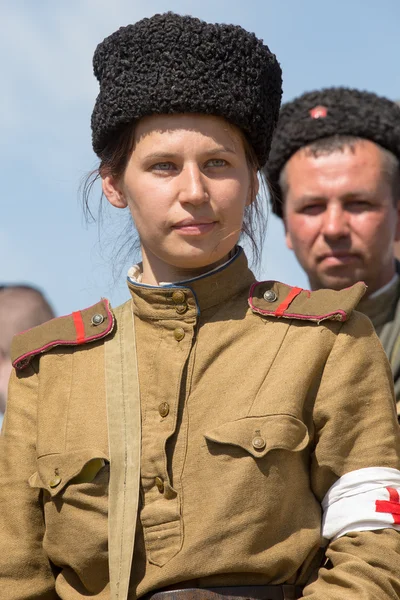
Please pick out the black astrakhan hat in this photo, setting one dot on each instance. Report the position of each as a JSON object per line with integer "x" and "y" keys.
{"x": 179, "y": 64}
{"x": 331, "y": 111}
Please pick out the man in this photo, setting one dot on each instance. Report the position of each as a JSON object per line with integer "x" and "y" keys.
{"x": 21, "y": 307}
{"x": 335, "y": 180}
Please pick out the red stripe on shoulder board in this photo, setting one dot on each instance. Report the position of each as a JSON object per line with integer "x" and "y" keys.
{"x": 287, "y": 301}
{"x": 79, "y": 327}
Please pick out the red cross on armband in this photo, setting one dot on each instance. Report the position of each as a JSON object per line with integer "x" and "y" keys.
{"x": 391, "y": 506}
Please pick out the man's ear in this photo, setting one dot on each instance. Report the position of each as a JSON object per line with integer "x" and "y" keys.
{"x": 113, "y": 192}
{"x": 288, "y": 237}
{"x": 397, "y": 233}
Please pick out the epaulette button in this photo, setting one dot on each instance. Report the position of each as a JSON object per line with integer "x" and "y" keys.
{"x": 270, "y": 296}
{"x": 97, "y": 319}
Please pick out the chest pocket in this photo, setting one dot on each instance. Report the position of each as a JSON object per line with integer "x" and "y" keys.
{"x": 75, "y": 511}
{"x": 57, "y": 471}
{"x": 260, "y": 435}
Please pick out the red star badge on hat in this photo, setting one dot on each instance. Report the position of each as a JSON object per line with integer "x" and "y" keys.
{"x": 318, "y": 112}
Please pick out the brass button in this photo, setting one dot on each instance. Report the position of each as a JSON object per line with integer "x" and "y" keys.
{"x": 270, "y": 296}
{"x": 179, "y": 334}
{"x": 97, "y": 319}
{"x": 55, "y": 482}
{"x": 181, "y": 308}
{"x": 258, "y": 443}
{"x": 179, "y": 297}
{"x": 163, "y": 409}
{"x": 160, "y": 484}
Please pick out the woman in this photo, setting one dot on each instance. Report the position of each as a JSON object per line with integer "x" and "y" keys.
{"x": 190, "y": 442}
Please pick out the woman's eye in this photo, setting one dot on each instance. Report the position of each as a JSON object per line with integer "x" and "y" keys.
{"x": 163, "y": 166}
{"x": 216, "y": 162}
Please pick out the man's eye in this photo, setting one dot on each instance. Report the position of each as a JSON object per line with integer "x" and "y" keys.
{"x": 358, "y": 205}
{"x": 312, "y": 209}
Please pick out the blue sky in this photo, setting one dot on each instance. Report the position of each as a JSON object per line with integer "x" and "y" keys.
{"x": 48, "y": 92}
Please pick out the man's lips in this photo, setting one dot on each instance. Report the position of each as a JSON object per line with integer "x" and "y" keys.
{"x": 338, "y": 258}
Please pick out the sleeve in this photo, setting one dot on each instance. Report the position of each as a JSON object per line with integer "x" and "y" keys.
{"x": 397, "y": 392}
{"x": 357, "y": 448}
{"x": 25, "y": 571}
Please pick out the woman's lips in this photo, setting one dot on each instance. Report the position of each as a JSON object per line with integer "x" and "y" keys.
{"x": 194, "y": 227}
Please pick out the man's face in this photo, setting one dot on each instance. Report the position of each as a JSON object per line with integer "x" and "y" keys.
{"x": 340, "y": 218}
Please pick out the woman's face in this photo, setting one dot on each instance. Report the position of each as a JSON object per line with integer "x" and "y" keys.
{"x": 186, "y": 184}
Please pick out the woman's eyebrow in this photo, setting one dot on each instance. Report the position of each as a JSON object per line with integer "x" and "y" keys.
{"x": 220, "y": 149}
{"x": 160, "y": 155}
{"x": 209, "y": 152}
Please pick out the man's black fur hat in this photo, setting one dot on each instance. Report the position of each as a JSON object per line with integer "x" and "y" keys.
{"x": 331, "y": 111}
{"x": 179, "y": 64}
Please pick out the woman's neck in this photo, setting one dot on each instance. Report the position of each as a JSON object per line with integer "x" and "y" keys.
{"x": 156, "y": 271}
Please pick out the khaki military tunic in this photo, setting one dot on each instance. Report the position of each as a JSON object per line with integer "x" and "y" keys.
{"x": 384, "y": 311}
{"x": 254, "y": 400}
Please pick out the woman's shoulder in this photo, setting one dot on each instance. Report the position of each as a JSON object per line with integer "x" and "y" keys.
{"x": 76, "y": 329}
{"x": 266, "y": 298}
{"x": 279, "y": 300}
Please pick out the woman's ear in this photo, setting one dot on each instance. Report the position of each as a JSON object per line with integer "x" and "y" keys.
{"x": 113, "y": 192}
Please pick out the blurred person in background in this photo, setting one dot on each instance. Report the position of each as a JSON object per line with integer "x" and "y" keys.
{"x": 335, "y": 181}
{"x": 21, "y": 307}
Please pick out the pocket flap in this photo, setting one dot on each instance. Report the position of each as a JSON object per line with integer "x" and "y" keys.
{"x": 55, "y": 471}
{"x": 259, "y": 435}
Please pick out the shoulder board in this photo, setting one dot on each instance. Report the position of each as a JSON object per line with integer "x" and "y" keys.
{"x": 275, "y": 299}
{"x": 79, "y": 328}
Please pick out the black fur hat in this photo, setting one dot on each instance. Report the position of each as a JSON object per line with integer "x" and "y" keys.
{"x": 174, "y": 64}
{"x": 331, "y": 111}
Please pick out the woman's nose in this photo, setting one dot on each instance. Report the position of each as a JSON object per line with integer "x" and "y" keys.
{"x": 193, "y": 186}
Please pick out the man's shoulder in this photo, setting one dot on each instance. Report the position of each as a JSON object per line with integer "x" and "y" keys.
{"x": 279, "y": 300}
{"x": 76, "y": 329}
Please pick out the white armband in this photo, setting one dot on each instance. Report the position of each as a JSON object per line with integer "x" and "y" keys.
{"x": 362, "y": 500}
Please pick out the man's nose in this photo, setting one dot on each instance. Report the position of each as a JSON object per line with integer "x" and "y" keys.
{"x": 335, "y": 222}
{"x": 193, "y": 186}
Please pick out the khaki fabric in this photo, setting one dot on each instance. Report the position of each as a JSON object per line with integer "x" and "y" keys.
{"x": 315, "y": 306}
{"x": 79, "y": 328}
{"x": 246, "y": 422}
{"x": 384, "y": 312}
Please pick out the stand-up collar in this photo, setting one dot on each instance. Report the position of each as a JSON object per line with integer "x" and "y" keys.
{"x": 379, "y": 306}
{"x": 187, "y": 299}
